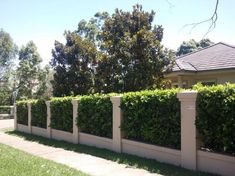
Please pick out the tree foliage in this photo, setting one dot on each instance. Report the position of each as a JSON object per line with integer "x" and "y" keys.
{"x": 135, "y": 58}
{"x": 31, "y": 77}
{"x": 111, "y": 53}
{"x": 73, "y": 63}
{"x": 8, "y": 51}
{"x": 5, "y": 95}
{"x": 192, "y": 46}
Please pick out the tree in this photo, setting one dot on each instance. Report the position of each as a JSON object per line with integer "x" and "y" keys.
{"x": 73, "y": 65}
{"x": 8, "y": 51}
{"x": 192, "y": 46}
{"x": 133, "y": 58}
{"x": 31, "y": 77}
{"x": 110, "y": 53}
{"x": 5, "y": 95}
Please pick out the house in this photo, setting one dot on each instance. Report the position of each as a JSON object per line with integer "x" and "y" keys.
{"x": 212, "y": 65}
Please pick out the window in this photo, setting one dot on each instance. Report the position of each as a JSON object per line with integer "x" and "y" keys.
{"x": 208, "y": 82}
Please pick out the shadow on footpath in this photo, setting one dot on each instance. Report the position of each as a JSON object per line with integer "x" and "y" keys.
{"x": 130, "y": 160}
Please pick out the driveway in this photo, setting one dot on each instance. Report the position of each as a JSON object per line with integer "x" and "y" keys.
{"x": 8, "y": 123}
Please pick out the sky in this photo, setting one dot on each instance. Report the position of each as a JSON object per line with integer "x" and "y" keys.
{"x": 45, "y": 21}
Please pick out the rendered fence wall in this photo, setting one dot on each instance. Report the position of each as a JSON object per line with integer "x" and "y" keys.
{"x": 162, "y": 154}
{"x": 215, "y": 163}
{"x": 189, "y": 156}
{"x": 39, "y": 131}
{"x": 96, "y": 141}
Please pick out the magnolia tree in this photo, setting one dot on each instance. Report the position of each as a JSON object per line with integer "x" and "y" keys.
{"x": 111, "y": 53}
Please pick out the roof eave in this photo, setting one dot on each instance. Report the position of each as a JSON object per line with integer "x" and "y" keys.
{"x": 179, "y": 73}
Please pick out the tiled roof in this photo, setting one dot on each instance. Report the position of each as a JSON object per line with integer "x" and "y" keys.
{"x": 216, "y": 57}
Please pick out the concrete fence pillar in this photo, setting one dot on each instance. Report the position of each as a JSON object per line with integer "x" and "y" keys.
{"x": 188, "y": 129}
{"x": 117, "y": 119}
{"x": 15, "y": 116}
{"x": 11, "y": 110}
{"x": 29, "y": 117}
{"x": 48, "y": 119}
{"x": 75, "y": 127}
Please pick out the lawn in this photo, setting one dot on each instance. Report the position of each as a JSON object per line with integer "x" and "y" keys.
{"x": 17, "y": 163}
{"x": 130, "y": 160}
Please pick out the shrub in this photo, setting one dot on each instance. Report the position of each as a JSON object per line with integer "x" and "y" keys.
{"x": 216, "y": 117}
{"x": 95, "y": 115}
{"x": 22, "y": 112}
{"x": 5, "y": 109}
{"x": 152, "y": 117}
{"x": 62, "y": 114}
{"x": 39, "y": 113}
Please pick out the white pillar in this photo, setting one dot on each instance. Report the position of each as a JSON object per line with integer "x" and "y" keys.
{"x": 12, "y": 110}
{"x": 29, "y": 117}
{"x": 188, "y": 129}
{"x": 117, "y": 119}
{"x": 75, "y": 127}
{"x": 180, "y": 82}
{"x": 15, "y": 116}
{"x": 48, "y": 119}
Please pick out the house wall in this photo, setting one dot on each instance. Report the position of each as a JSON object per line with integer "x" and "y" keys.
{"x": 188, "y": 81}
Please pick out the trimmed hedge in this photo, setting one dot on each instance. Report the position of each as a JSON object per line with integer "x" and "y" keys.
{"x": 62, "y": 114}
{"x": 216, "y": 117}
{"x": 152, "y": 117}
{"x": 5, "y": 109}
{"x": 95, "y": 115}
{"x": 22, "y": 112}
{"x": 39, "y": 113}
{"x": 148, "y": 116}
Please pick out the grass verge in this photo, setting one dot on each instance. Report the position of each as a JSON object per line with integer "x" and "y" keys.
{"x": 17, "y": 163}
{"x": 130, "y": 160}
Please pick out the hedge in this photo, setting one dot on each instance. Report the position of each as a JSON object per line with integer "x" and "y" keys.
{"x": 62, "y": 114}
{"x": 148, "y": 116}
{"x": 152, "y": 117}
{"x": 5, "y": 109}
{"x": 95, "y": 115}
{"x": 39, "y": 113}
{"x": 22, "y": 112}
{"x": 216, "y": 117}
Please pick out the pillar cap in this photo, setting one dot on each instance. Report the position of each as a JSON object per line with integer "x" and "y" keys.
{"x": 187, "y": 95}
{"x": 48, "y": 103}
{"x": 75, "y": 102}
{"x": 116, "y": 99}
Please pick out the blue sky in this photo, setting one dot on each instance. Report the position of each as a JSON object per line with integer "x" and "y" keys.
{"x": 44, "y": 21}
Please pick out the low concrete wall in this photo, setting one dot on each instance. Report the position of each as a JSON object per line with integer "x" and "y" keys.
{"x": 39, "y": 131}
{"x": 215, "y": 163}
{"x": 61, "y": 135}
{"x": 161, "y": 154}
{"x": 96, "y": 141}
{"x": 23, "y": 128}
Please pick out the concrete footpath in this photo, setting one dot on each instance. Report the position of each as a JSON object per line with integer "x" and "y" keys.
{"x": 86, "y": 163}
